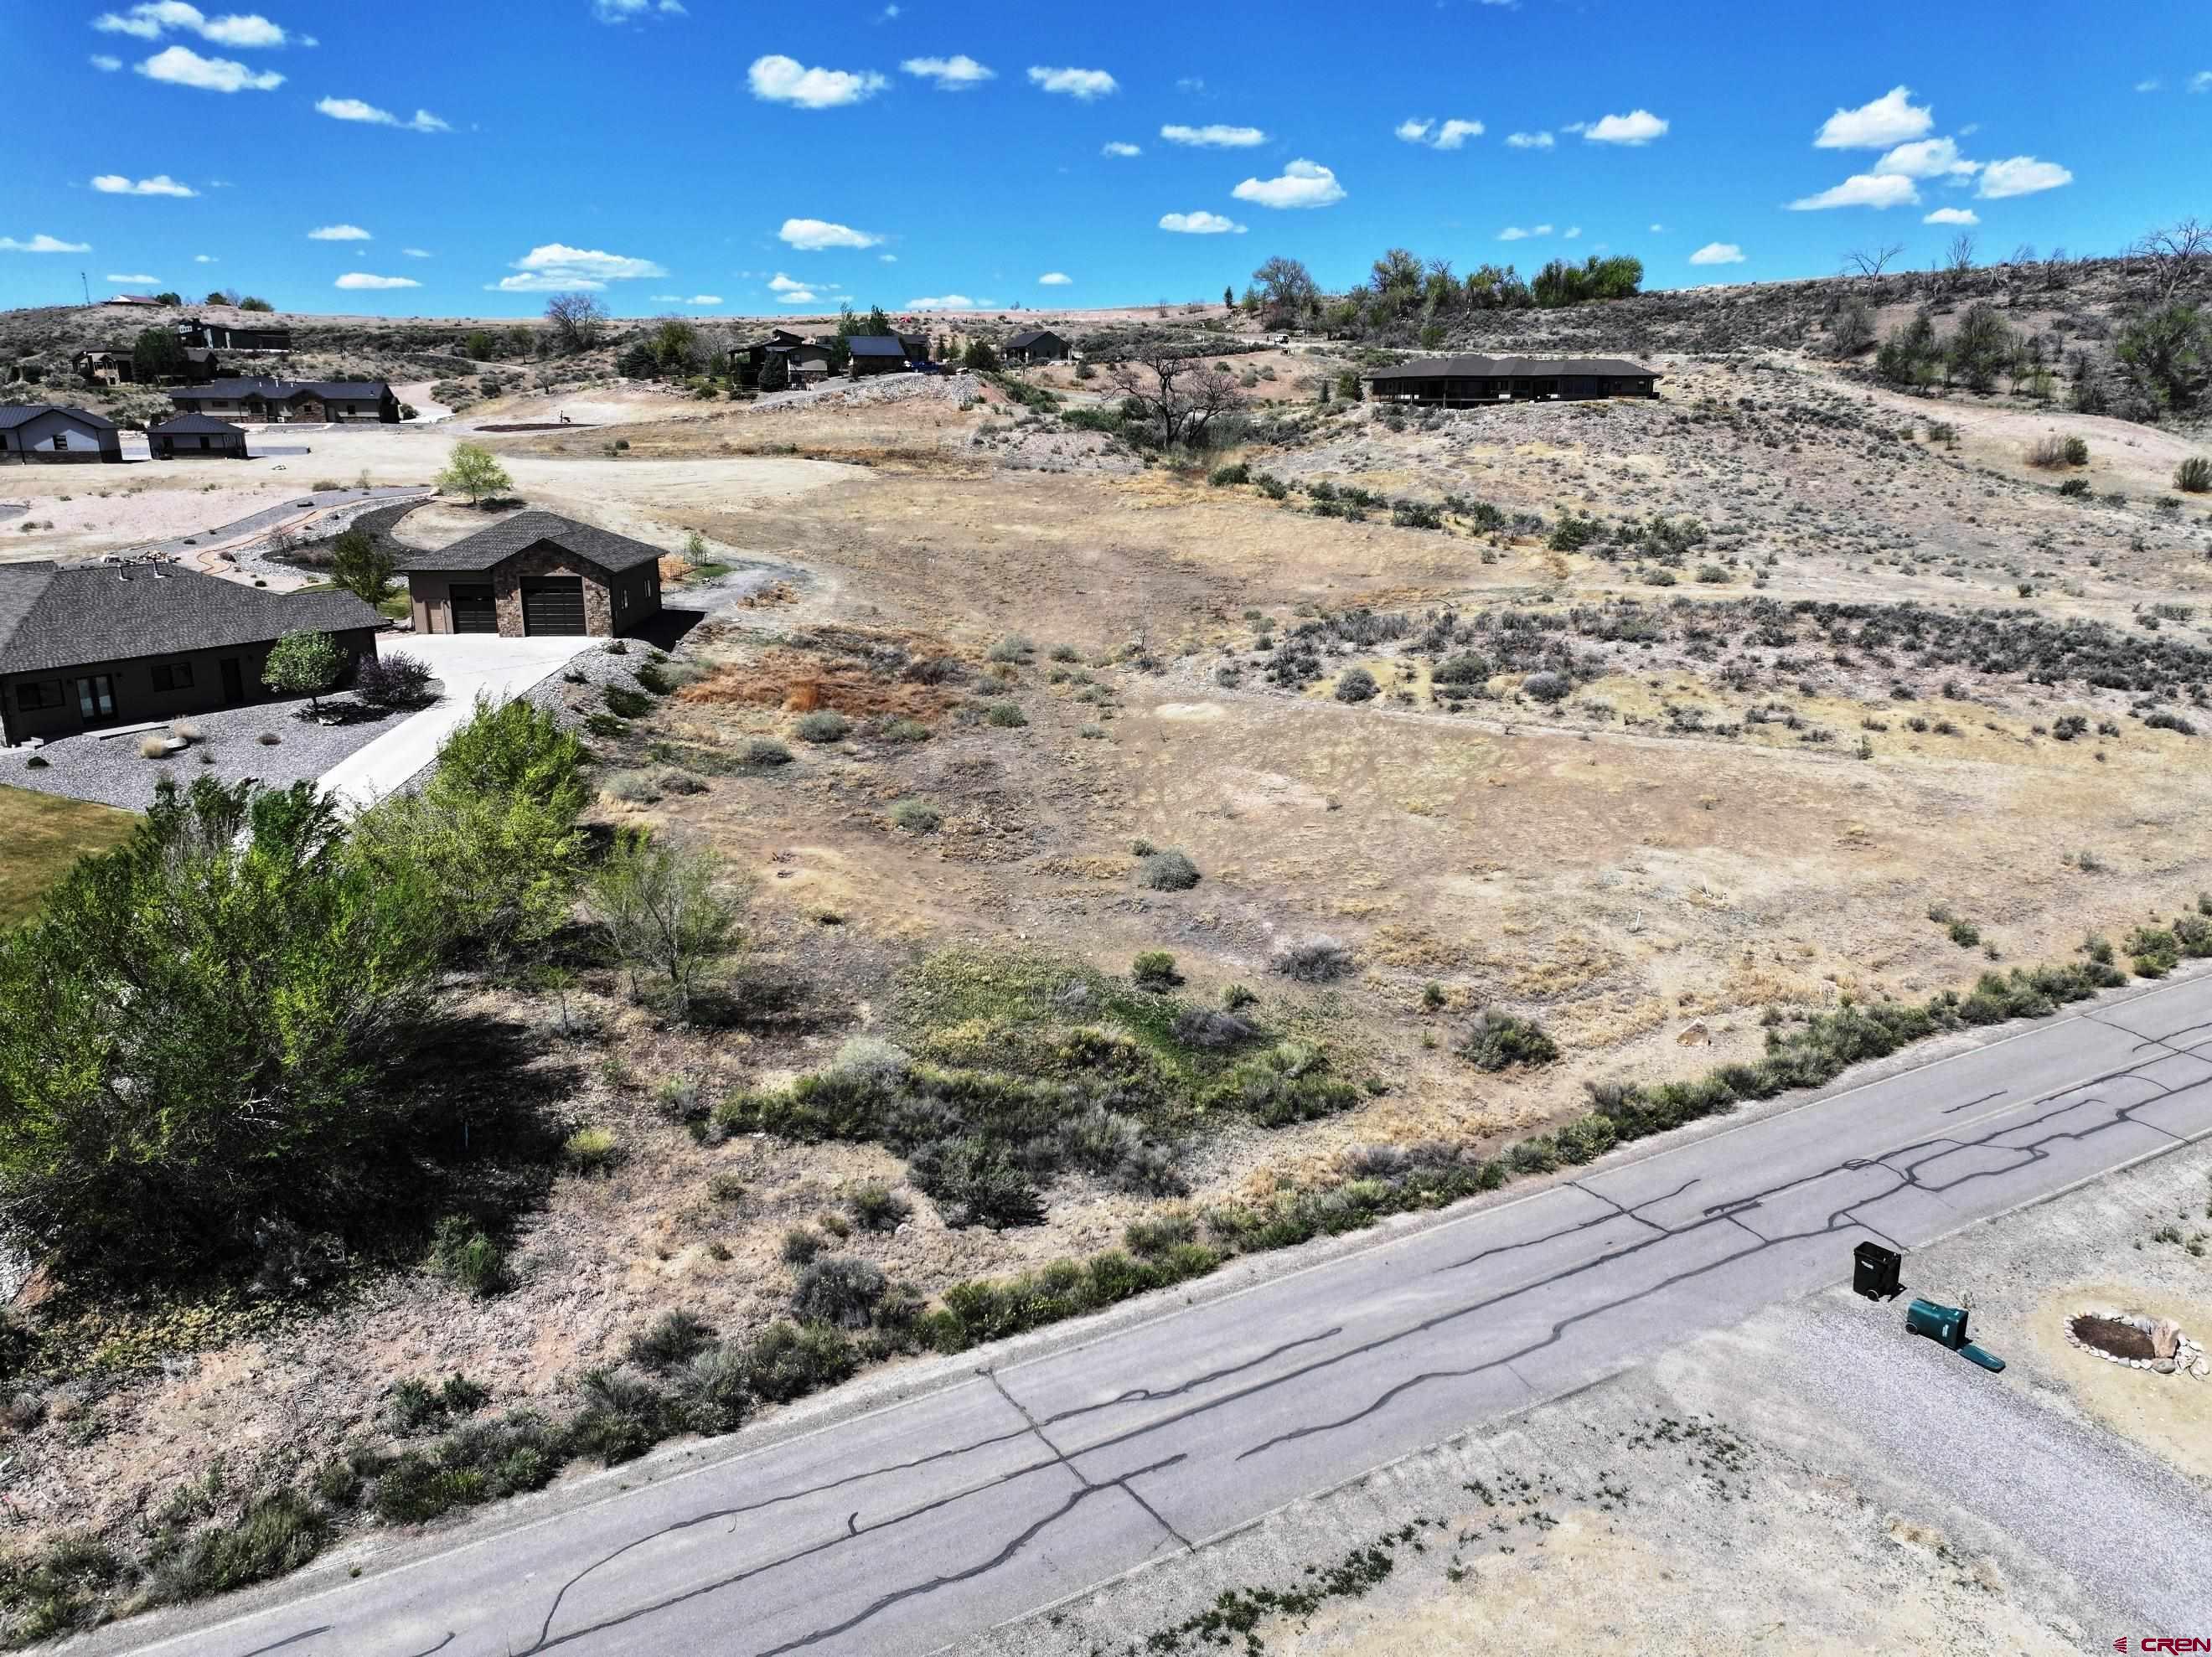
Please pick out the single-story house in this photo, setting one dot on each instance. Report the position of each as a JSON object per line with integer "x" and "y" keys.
{"x": 46, "y": 433}
{"x": 533, "y": 575}
{"x": 194, "y": 437}
{"x": 879, "y": 353}
{"x": 1036, "y": 345}
{"x": 1466, "y": 382}
{"x": 281, "y": 402}
{"x": 142, "y": 299}
{"x": 109, "y": 644}
{"x": 802, "y": 358}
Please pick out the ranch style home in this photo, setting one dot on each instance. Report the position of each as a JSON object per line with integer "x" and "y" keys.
{"x": 99, "y": 645}
{"x": 1467, "y": 382}
{"x": 47, "y": 434}
{"x": 534, "y": 574}
{"x": 279, "y": 402}
{"x": 1036, "y": 345}
{"x": 195, "y": 437}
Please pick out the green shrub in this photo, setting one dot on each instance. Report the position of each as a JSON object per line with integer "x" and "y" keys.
{"x": 1012, "y": 648}
{"x": 1317, "y": 960}
{"x": 1168, "y": 870}
{"x": 800, "y": 1246}
{"x": 878, "y": 1208}
{"x": 276, "y": 1534}
{"x": 625, "y": 703}
{"x": 1155, "y": 1235}
{"x": 905, "y": 730}
{"x": 2194, "y": 474}
{"x": 917, "y": 816}
{"x": 1498, "y": 1041}
{"x": 974, "y": 1182}
{"x": 823, "y": 725}
{"x": 841, "y": 1290}
{"x": 2076, "y": 487}
{"x": 465, "y": 1257}
{"x": 786, "y": 1362}
{"x": 1355, "y": 684}
{"x": 1226, "y": 477}
{"x": 674, "y": 1337}
{"x": 763, "y": 754}
{"x": 1007, "y": 715}
{"x": 1154, "y": 969}
{"x": 625, "y": 1414}
{"x": 592, "y": 1149}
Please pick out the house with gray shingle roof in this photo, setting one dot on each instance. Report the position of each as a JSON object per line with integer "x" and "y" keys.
{"x": 1035, "y": 345}
{"x": 284, "y": 401}
{"x": 195, "y": 437}
{"x": 95, "y": 645}
{"x": 1466, "y": 382}
{"x": 533, "y": 575}
{"x": 48, "y": 434}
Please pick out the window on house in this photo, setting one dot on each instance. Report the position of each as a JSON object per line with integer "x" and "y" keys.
{"x": 173, "y": 676}
{"x": 35, "y": 695}
{"x": 61, "y": 442}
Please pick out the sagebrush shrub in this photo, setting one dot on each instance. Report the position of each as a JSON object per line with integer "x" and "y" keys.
{"x": 1317, "y": 960}
{"x": 1355, "y": 684}
{"x": 1167, "y": 870}
{"x": 841, "y": 1290}
{"x": 823, "y": 725}
{"x": 1498, "y": 1041}
{"x": 1154, "y": 969}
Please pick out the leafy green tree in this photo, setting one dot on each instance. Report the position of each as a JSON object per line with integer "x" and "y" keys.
{"x": 1398, "y": 271}
{"x": 475, "y": 471}
{"x": 362, "y": 566}
{"x": 197, "y": 1033}
{"x": 1981, "y": 347}
{"x": 253, "y": 302}
{"x": 492, "y": 837}
{"x": 981, "y": 357}
{"x": 218, "y": 297}
{"x": 303, "y": 665}
{"x": 675, "y": 345}
{"x": 1908, "y": 356}
{"x": 158, "y": 355}
{"x": 2168, "y": 350}
{"x": 168, "y": 296}
{"x": 667, "y": 906}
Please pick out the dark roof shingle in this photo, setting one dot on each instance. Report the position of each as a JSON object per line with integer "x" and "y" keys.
{"x": 196, "y": 423}
{"x": 63, "y": 618}
{"x": 283, "y": 390}
{"x": 21, "y": 414}
{"x": 487, "y": 546}
{"x": 1509, "y": 367}
{"x": 877, "y": 345}
{"x": 1030, "y": 337}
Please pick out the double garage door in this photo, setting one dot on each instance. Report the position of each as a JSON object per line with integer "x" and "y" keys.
{"x": 551, "y": 606}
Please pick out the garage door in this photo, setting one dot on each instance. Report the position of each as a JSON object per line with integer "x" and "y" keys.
{"x": 473, "y": 609}
{"x": 553, "y": 605}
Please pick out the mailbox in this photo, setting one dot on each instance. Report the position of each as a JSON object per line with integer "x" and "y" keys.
{"x": 1874, "y": 1271}
{"x": 1944, "y": 1324}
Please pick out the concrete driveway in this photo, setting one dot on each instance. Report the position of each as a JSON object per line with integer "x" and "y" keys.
{"x": 469, "y": 666}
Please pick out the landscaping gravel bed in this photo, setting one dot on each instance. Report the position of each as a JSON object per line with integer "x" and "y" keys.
{"x": 111, "y": 772}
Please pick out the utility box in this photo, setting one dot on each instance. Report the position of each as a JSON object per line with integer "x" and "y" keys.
{"x": 1944, "y": 1324}
{"x": 1874, "y": 1271}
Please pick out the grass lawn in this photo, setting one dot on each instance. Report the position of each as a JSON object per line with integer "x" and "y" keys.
{"x": 44, "y": 834}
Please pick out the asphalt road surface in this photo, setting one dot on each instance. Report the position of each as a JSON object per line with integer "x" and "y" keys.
{"x": 912, "y": 1529}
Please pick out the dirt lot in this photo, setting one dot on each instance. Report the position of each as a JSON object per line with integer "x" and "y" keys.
{"x": 1731, "y": 818}
{"x": 1756, "y": 1509}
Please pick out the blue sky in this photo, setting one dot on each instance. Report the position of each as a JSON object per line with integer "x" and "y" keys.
{"x": 435, "y": 158}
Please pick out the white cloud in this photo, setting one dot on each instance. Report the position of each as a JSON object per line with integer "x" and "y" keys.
{"x": 2023, "y": 175}
{"x": 1892, "y": 119}
{"x": 1200, "y": 223}
{"x": 204, "y": 258}
{"x": 814, "y": 234}
{"x": 149, "y": 22}
{"x": 363, "y": 280}
{"x": 776, "y": 79}
{"x": 1083, "y": 84}
{"x": 111, "y": 276}
{"x": 181, "y": 66}
{"x": 1717, "y": 253}
{"x": 579, "y": 267}
{"x": 668, "y": 299}
{"x": 1118, "y": 148}
{"x": 2201, "y": 81}
{"x": 417, "y": 253}
{"x": 543, "y": 283}
{"x": 1639, "y": 126}
{"x": 1952, "y": 216}
{"x": 1658, "y": 230}
{"x": 1303, "y": 184}
{"x": 353, "y": 109}
{"x": 1451, "y": 135}
{"x": 105, "y": 64}
{"x": 954, "y": 74}
{"x": 2151, "y": 85}
{"x": 115, "y": 184}
{"x": 887, "y": 258}
{"x": 43, "y": 244}
{"x": 1191, "y": 83}
{"x": 340, "y": 233}
{"x": 1928, "y": 158}
{"x": 1515, "y": 232}
{"x": 706, "y": 299}
{"x": 1055, "y": 279}
{"x": 1529, "y": 141}
{"x": 1862, "y": 190}
{"x": 780, "y": 283}
{"x": 622, "y": 11}
{"x": 946, "y": 302}
{"x": 1571, "y": 232}
{"x": 1215, "y": 136}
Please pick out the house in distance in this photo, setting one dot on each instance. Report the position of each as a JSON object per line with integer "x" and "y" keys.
{"x": 48, "y": 434}
{"x": 1035, "y": 345}
{"x": 536, "y": 574}
{"x": 284, "y": 402}
{"x": 195, "y": 437}
{"x": 1468, "y": 382}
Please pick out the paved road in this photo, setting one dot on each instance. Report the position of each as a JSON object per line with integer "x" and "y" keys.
{"x": 911, "y": 1528}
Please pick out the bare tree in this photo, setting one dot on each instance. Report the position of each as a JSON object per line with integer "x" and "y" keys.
{"x": 2178, "y": 255}
{"x": 1871, "y": 261}
{"x": 1181, "y": 396}
{"x": 1958, "y": 260}
{"x": 577, "y": 319}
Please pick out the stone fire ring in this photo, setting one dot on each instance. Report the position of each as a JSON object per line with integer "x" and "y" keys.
{"x": 2188, "y": 1356}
